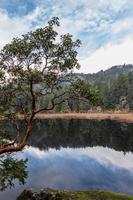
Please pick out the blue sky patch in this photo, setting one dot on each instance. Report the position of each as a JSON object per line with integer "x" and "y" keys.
{"x": 98, "y": 23}
{"x": 17, "y": 7}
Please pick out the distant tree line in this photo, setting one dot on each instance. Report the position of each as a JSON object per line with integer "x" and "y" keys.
{"x": 114, "y": 86}
{"x": 119, "y": 93}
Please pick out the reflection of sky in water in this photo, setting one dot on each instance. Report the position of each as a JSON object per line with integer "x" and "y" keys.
{"x": 77, "y": 169}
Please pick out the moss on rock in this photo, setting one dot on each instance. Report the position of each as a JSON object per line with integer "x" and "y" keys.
{"x": 49, "y": 194}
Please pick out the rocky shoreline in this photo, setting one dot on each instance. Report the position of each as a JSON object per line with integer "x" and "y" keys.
{"x": 49, "y": 194}
{"x": 45, "y": 194}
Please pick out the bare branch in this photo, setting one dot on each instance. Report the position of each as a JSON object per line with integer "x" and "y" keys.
{"x": 46, "y": 63}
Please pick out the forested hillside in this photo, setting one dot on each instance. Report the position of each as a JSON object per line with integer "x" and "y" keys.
{"x": 115, "y": 87}
{"x": 107, "y": 75}
{"x": 118, "y": 94}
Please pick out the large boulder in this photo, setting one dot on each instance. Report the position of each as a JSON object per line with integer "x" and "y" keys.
{"x": 44, "y": 194}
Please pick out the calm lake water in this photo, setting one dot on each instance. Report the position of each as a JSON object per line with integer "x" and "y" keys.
{"x": 78, "y": 155}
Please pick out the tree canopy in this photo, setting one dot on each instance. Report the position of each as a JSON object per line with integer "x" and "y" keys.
{"x": 38, "y": 65}
{"x": 11, "y": 170}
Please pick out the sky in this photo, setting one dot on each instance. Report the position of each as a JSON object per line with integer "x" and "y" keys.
{"x": 105, "y": 27}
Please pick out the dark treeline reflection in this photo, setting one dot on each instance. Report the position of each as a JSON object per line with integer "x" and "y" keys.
{"x": 80, "y": 133}
{"x": 70, "y": 168}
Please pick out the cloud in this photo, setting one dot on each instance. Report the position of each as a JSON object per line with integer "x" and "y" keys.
{"x": 103, "y": 155}
{"x": 107, "y": 56}
{"x": 80, "y": 168}
{"x": 11, "y": 27}
{"x": 101, "y": 25}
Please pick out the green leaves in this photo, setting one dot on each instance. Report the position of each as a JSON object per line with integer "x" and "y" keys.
{"x": 37, "y": 66}
{"x": 41, "y": 49}
{"x": 11, "y": 170}
{"x": 84, "y": 90}
{"x": 41, "y": 58}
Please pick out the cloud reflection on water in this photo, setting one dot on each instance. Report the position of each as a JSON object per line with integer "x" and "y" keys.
{"x": 81, "y": 169}
{"x": 77, "y": 169}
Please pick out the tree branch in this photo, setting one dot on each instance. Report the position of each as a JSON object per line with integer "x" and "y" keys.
{"x": 33, "y": 96}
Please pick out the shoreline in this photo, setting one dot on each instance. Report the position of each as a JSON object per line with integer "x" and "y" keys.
{"x": 122, "y": 117}
{"x": 75, "y": 195}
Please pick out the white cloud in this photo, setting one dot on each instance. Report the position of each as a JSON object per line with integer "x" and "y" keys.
{"x": 122, "y": 26}
{"x": 11, "y": 27}
{"x": 107, "y": 56}
{"x": 107, "y": 156}
{"x": 115, "y": 5}
{"x": 97, "y": 23}
{"x": 103, "y": 155}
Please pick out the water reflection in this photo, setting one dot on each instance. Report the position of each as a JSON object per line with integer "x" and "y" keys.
{"x": 80, "y": 155}
{"x": 81, "y": 169}
{"x": 82, "y": 133}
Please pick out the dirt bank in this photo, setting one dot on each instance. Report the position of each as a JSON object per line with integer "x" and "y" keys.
{"x": 124, "y": 117}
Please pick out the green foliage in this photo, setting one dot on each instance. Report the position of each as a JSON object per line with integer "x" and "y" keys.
{"x": 38, "y": 68}
{"x": 36, "y": 65}
{"x": 115, "y": 86}
{"x": 108, "y": 75}
{"x": 11, "y": 170}
{"x": 119, "y": 95}
{"x": 87, "y": 91}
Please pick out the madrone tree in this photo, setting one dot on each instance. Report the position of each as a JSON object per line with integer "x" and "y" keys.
{"x": 37, "y": 65}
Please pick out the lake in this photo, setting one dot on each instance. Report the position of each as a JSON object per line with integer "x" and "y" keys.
{"x": 78, "y": 155}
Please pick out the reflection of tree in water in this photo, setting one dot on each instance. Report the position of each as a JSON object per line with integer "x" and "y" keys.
{"x": 12, "y": 170}
{"x": 63, "y": 133}
{"x": 82, "y": 133}
{"x": 78, "y": 133}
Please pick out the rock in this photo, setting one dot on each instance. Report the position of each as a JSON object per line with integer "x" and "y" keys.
{"x": 26, "y": 195}
{"x": 58, "y": 196}
{"x": 40, "y": 195}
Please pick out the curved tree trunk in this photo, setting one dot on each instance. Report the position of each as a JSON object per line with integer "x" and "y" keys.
{"x": 18, "y": 147}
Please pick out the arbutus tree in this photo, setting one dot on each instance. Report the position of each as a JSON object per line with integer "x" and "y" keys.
{"x": 38, "y": 65}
